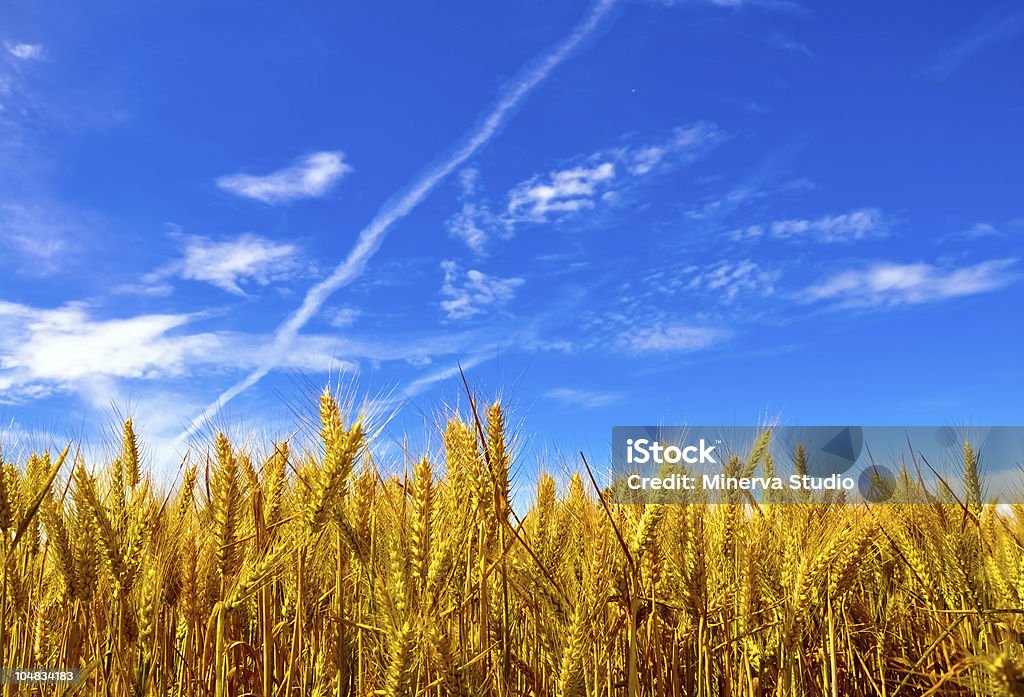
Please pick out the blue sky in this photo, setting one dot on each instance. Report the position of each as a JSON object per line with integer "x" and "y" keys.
{"x": 703, "y": 211}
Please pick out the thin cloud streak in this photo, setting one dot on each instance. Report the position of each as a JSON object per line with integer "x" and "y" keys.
{"x": 421, "y": 384}
{"x": 372, "y": 236}
{"x": 989, "y": 32}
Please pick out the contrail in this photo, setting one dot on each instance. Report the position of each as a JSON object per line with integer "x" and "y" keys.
{"x": 371, "y": 236}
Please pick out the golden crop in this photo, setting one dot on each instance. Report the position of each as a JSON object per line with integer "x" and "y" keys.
{"x": 293, "y": 574}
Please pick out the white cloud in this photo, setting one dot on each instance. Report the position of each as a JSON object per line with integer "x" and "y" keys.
{"x": 670, "y": 338}
{"x": 41, "y": 235}
{"x": 724, "y": 205}
{"x": 645, "y": 159}
{"x": 343, "y": 317}
{"x": 586, "y": 399}
{"x": 471, "y": 225}
{"x": 311, "y": 177}
{"x": 986, "y": 230}
{"x": 685, "y": 144}
{"x": 473, "y": 293}
{"x": 565, "y": 191}
{"x": 723, "y": 281}
{"x": 247, "y": 258}
{"x": 981, "y": 230}
{"x": 855, "y": 225}
{"x": 474, "y": 223}
{"x": 889, "y": 283}
{"x": 728, "y": 279}
{"x": 67, "y": 347}
{"x": 574, "y": 189}
{"x": 753, "y": 190}
{"x": 600, "y": 178}
{"x": 231, "y": 263}
{"x": 25, "y": 52}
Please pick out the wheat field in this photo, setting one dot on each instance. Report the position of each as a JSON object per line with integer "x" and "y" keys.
{"x": 310, "y": 573}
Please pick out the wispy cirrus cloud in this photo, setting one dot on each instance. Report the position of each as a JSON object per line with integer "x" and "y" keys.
{"x": 858, "y": 224}
{"x": 727, "y": 280}
{"x": 587, "y": 399}
{"x": 470, "y": 294}
{"x": 892, "y": 284}
{"x": 311, "y": 177}
{"x": 584, "y": 185}
{"x": 788, "y": 5}
{"x": 228, "y": 264}
{"x": 39, "y": 235}
{"x": 770, "y": 4}
{"x": 663, "y": 337}
{"x": 769, "y": 184}
{"x": 70, "y": 346}
{"x": 991, "y": 30}
{"x": 543, "y": 198}
{"x": 565, "y": 191}
{"x": 24, "y": 51}
{"x": 65, "y": 345}
{"x": 474, "y": 221}
{"x": 724, "y": 281}
{"x": 980, "y": 230}
{"x": 343, "y": 317}
{"x": 683, "y": 145}
{"x": 787, "y": 43}
{"x": 986, "y": 229}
